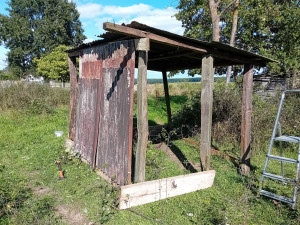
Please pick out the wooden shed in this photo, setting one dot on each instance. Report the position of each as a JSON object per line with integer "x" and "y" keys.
{"x": 101, "y": 102}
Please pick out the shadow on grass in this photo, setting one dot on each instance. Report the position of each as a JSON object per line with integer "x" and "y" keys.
{"x": 187, "y": 165}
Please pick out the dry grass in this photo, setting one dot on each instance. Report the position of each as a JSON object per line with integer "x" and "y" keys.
{"x": 175, "y": 89}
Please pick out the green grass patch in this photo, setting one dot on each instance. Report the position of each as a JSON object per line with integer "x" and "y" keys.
{"x": 29, "y": 151}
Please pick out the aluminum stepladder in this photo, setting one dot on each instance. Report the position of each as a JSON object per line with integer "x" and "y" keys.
{"x": 282, "y": 159}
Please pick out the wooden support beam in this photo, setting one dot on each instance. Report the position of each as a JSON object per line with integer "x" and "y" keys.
{"x": 74, "y": 54}
{"x": 155, "y": 190}
{"x": 246, "y": 119}
{"x": 73, "y": 96}
{"x": 167, "y": 97}
{"x": 143, "y": 34}
{"x": 142, "y": 118}
{"x": 168, "y": 55}
{"x": 207, "y": 81}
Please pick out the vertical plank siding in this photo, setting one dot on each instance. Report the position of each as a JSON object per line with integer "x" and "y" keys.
{"x": 105, "y": 108}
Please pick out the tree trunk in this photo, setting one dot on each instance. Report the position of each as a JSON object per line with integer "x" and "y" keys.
{"x": 232, "y": 38}
{"x": 215, "y": 19}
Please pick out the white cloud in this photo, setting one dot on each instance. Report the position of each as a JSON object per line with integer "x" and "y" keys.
{"x": 90, "y": 10}
{"x": 159, "y": 18}
{"x": 139, "y": 9}
{"x": 163, "y": 19}
{"x": 100, "y": 22}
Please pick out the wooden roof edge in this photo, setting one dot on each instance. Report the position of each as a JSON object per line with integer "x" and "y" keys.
{"x": 160, "y": 36}
{"x": 241, "y": 51}
{"x": 112, "y": 27}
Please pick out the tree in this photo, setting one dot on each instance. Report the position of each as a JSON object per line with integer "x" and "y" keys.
{"x": 205, "y": 20}
{"x": 267, "y": 27}
{"x": 54, "y": 65}
{"x": 232, "y": 37}
{"x": 34, "y": 28}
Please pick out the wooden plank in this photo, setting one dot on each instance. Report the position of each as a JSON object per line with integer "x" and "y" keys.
{"x": 246, "y": 119}
{"x": 151, "y": 191}
{"x": 207, "y": 81}
{"x": 167, "y": 96}
{"x": 142, "y": 118}
{"x": 142, "y": 34}
{"x": 86, "y": 117}
{"x": 73, "y": 96}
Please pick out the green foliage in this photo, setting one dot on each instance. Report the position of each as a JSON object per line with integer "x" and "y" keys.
{"x": 32, "y": 98}
{"x": 227, "y": 115}
{"x": 34, "y": 28}
{"x": 7, "y": 75}
{"x": 269, "y": 28}
{"x": 54, "y": 65}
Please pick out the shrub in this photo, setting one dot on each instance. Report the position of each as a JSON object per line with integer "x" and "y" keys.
{"x": 32, "y": 98}
{"x": 227, "y": 106}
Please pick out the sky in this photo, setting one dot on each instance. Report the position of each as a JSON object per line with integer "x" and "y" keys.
{"x": 93, "y": 13}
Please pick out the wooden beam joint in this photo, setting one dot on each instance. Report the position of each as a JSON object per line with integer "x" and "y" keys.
{"x": 142, "y": 44}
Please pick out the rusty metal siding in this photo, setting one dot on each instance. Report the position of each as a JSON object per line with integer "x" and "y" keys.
{"x": 86, "y": 117}
{"x": 113, "y": 140}
{"x": 105, "y": 105}
{"x": 115, "y": 128}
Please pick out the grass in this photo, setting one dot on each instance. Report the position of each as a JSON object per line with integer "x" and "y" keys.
{"x": 29, "y": 155}
{"x": 29, "y": 151}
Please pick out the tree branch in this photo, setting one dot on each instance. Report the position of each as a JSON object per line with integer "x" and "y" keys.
{"x": 227, "y": 7}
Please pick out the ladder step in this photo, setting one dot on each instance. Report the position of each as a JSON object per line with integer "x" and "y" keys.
{"x": 283, "y": 159}
{"x": 291, "y": 139}
{"x": 277, "y": 177}
{"x": 277, "y": 197}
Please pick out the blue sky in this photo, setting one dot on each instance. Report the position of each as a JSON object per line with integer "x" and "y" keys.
{"x": 93, "y": 13}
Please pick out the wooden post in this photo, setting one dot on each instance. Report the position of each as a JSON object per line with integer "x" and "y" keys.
{"x": 246, "y": 119}
{"x": 167, "y": 96}
{"x": 73, "y": 96}
{"x": 207, "y": 81}
{"x": 142, "y": 112}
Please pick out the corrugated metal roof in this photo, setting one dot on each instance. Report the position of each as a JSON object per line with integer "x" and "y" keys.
{"x": 163, "y": 56}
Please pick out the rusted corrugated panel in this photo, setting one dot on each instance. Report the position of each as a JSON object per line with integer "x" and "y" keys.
{"x": 86, "y": 117}
{"x": 113, "y": 142}
{"x": 115, "y": 127}
{"x": 104, "y": 117}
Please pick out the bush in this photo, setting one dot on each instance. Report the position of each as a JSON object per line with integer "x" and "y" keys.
{"x": 32, "y": 98}
{"x": 227, "y": 106}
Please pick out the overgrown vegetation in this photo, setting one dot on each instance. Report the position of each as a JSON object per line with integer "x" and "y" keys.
{"x": 32, "y": 98}
{"x": 30, "y": 192}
